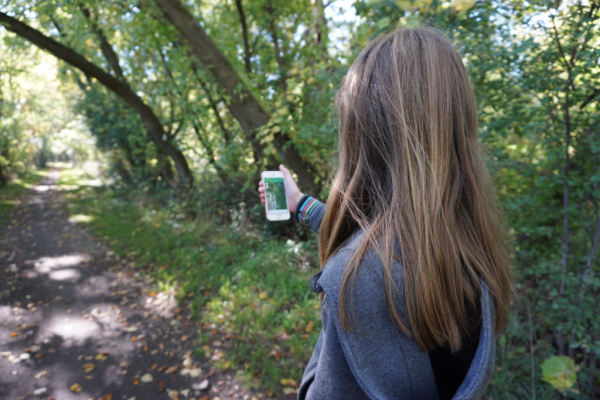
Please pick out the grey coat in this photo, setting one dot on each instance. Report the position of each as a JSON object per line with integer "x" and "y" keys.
{"x": 377, "y": 361}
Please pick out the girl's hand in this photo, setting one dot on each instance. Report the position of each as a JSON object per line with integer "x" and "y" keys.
{"x": 291, "y": 189}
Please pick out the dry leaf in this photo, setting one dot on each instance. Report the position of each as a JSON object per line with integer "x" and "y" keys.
{"x": 107, "y": 397}
{"x": 14, "y": 334}
{"x": 204, "y": 398}
{"x": 289, "y": 382}
{"x": 172, "y": 369}
{"x": 88, "y": 367}
{"x": 289, "y": 390}
{"x": 310, "y": 326}
{"x": 100, "y": 357}
{"x": 40, "y": 374}
{"x": 184, "y": 338}
{"x": 204, "y": 384}
{"x": 262, "y": 295}
{"x": 146, "y": 378}
{"x": 173, "y": 394}
{"x": 195, "y": 372}
{"x": 136, "y": 382}
{"x": 75, "y": 388}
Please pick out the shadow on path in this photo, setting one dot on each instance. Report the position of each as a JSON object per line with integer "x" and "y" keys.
{"x": 77, "y": 322}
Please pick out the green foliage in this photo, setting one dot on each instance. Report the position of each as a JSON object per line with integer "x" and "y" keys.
{"x": 560, "y": 372}
{"x": 534, "y": 68}
{"x": 248, "y": 289}
{"x": 11, "y": 192}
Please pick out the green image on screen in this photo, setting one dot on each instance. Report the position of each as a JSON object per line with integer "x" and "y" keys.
{"x": 275, "y": 194}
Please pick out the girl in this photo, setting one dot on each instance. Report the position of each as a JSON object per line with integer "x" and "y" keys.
{"x": 415, "y": 278}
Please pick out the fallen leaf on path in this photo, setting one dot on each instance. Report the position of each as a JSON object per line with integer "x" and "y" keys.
{"x": 131, "y": 329}
{"x": 107, "y": 397}
{"x": 172, "y": 369}
{"x": 289, "y": 390}
{"x": 195, "y": 372}
{"x": 163, "y": 368}
{"x": 136, "y": 382}
{"x": 154, "y": 367}
{"x": 88, "y": 367}
{"x": 40, "y": 374}
{"x": 40, "y": 391}
{"x": 14, "y": 334}
{"x": 187, "y": 359}
{"x": 173, "y": 394}
{"x": 146, "y": 378}
{"x": 75, "y": 388}
{"x": 202, "y": 385}
{"x": 184, "y": 338}
{"x": 211, "y": 373}
{"x": 204, "y": 398}
{"x": 33, "y": 349}
{"x": 185, "y": 392}
{"x": 288, "y": 382}
{"x": 101, "y": 357}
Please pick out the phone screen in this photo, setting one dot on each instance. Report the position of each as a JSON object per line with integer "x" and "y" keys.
{"x": 275, "y": 194}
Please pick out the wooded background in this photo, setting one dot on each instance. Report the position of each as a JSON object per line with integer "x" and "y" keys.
{"x": 193, "y": 99}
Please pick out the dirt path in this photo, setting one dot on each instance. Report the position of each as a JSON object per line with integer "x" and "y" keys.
{"x": 77, "y": 322}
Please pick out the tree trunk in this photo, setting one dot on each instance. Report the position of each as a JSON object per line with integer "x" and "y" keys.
{"x": 116, "y": 86}
{"x": 3, "y": 180}
{"x": 244, "y": 107}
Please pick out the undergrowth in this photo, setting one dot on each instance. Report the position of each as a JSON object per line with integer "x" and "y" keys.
{"x": 250, "y": 290}
{"x": 11, "y": 192}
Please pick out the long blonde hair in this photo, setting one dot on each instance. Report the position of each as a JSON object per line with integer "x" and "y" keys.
{"x": 411, "y": 170}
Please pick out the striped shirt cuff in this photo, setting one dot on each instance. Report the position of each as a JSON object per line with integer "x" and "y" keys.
{"x": 305, "y": 208}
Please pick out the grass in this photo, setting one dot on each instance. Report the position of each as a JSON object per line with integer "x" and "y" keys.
{"x": 250, "y": 291}
{"x": 10, "y": 193}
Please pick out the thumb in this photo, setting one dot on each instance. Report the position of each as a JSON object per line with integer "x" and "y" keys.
{"x": 286, "y": 172}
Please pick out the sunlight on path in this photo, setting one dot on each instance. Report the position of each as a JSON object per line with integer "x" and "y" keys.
{"x": 76, "y": 321}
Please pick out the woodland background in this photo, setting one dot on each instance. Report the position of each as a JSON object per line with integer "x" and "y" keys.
{"x": 169, "y": 110}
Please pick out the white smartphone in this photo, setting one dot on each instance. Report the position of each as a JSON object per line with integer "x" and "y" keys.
{"x": 276, "y": 204}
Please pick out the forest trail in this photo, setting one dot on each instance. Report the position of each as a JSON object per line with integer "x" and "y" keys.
{"x": 78, "y": 323}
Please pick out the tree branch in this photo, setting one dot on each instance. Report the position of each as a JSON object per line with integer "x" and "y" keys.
{"x": 241, "y": 102}
{"x": 589, "y": 99}
{"x": 105, "y": 47}
{"x": 247, "y": 55}
{"x": 113, "y": 84}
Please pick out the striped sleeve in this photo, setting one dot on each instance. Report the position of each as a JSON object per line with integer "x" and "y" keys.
{"x": 310, "y": 212}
